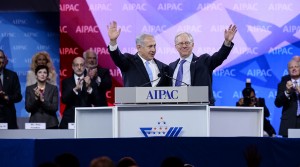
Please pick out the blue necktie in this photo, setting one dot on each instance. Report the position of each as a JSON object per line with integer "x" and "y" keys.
{"x": 180, "y": 74}
{"x": 149, "y": 71}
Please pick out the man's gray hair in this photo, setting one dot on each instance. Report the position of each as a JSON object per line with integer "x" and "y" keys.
{"x": 188, "y": 34}
{"x": 92, "y": 51}
{"x": 140, "y": 39}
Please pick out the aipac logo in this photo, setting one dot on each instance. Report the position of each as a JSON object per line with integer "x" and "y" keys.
{"x": 161, "y": 130}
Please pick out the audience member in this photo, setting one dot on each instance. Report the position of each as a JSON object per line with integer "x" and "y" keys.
{"x": 41, "y": 58}
{"x": 102, "y": 162}
{"x": 288, "y": 98}
{"x": 10, "y": 93}
{"x": 197, "y": 71}
{"x": 249, "y": 100}
{"x": 77, "y": 91}
{"x": 252, "y": 156}
{"x": 287, "y": 77}
{"x": 141, "y": 69}
{"x": 127, "y": 162}
{"x": 172, "y": 162}
{"x": 48, "y": 164}
{"x": 100, "y": 76}
{"x": 67, "y": 160}
{"x": 41, "y": 99}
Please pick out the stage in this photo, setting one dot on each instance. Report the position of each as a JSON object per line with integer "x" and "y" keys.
{"x": 149, "y": 152}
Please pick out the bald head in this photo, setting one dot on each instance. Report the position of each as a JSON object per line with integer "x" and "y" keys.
{"x": 294, "y": 69}
{"x": 296, "y": 58}
{"x": 78, "y": 66}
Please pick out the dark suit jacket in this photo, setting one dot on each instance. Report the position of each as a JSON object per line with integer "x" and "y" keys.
{"x": 202, "y": 67}
{"x": 267, "y": 125}
{"x": 11, "y": 86}
{"x": 42, "y": 112}
{"x": 105, "y": 85}
{"x": 134, "y": 72}
{"x": 289, "y": 107}
{"x": 72, "y": 100}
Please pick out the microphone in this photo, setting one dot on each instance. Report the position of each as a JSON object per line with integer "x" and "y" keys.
{"x": 166, "y": 74}
{"x": 158, "y": 75}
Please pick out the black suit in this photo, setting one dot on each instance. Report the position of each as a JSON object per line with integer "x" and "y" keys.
{"x": 72, "y": 100}
{"x": 201, "y": 68}
{"x": 134, "y": 72}
{"x": 103, "y": 86}
{"x": 11, "y": 87}
{"x": 289, "y": 106}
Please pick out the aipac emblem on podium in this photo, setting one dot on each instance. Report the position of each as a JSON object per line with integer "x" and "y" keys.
{"x": 161, "y": 130}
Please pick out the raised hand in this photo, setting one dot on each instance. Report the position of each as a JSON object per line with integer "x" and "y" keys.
{"x": 92, "y": 73}
{"x": 230, "y": 33}
{"x": 289, "y": 86}
{"x": 87, "y": 80}
{"x": 113, "y": 32}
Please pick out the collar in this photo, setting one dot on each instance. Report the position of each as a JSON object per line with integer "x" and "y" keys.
{"x": 144, "y": 60}
{"x": 188, "y": 59}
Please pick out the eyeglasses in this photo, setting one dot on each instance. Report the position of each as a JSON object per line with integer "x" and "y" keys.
{"x": 187, "y": 43}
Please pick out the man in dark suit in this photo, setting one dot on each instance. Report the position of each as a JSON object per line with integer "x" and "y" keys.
{"x": 197, "y": 71}
{"x": 288, "y": 98}
{"x": 77, "y": 91}
{"x": 100, "y": 77}
{"x": 10, "y": 93}
{"x": 141, "y": 69}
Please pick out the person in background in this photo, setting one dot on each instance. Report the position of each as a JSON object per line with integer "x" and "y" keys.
{"x": 197, "y": 71}
{"x": 102, "y": 162}
{"x": 127, "y": 162}
{"x": 288, "y": 98}
{"x": 77, "y": 91}
{"x": 99, "y": 76}
{"x": 249, "y": 99}
{"x": 41, "y": 99}
{"x": 41, "y": 58}
{"x": 141, "y": 69}
{"x": 10, "y": 93}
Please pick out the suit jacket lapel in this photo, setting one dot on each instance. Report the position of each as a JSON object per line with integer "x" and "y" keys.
{"x": 5, "y": 81}
{"x": 173, "y": 66}
{"x": 140, "y": 66}
{"x": 193, "y": 69}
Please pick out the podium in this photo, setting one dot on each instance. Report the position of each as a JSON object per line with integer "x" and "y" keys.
{"x": 147, "y": 112}
{"x": 94, "y": 122}
{"x": 166, "y": 112}
{"x": 236, "y": 121}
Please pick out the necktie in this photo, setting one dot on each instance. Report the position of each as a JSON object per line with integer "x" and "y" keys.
{"x": 1, "y": 86}
{"x": 180, "y": 74}
{"x": 149, "y": 71}
{"x": 298, "y": 99}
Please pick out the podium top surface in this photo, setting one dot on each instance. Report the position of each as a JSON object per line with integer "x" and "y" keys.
{"x": 138, "y": 95}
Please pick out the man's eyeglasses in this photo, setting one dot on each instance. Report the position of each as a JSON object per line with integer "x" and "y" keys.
{"x": 187, "y": 43}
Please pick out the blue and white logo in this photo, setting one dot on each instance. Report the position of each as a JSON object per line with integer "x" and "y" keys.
{"x": 161, "y": 130}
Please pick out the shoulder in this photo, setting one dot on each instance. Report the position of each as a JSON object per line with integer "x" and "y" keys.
{"x": 174, "y": 62}
{"x": 285, "y": 78}
{"x": 69, "y": 79}
{"x": 159, "y": 62}
{"x": 10, "y": 73}
{"x": 51, "y": 86}
{"x": 261, "y": 100}
{"x": 31, "y": 86}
